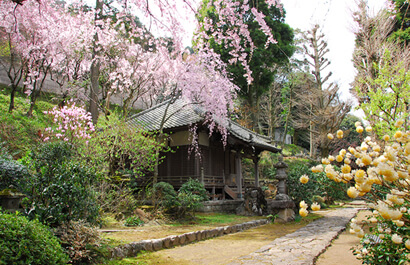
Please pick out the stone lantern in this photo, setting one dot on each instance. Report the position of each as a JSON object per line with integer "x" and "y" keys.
{"x": 281, "y": 175}
{"x": 282, "y": 201}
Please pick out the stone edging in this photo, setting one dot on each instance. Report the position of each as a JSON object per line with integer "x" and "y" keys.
{"x": 132, "y": 249}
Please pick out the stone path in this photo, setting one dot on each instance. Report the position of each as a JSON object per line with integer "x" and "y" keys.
{"x": 304, "y": 245}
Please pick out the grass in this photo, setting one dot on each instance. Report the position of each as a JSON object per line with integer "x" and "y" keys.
{"x": 200, "y": 222}
{"x": 219, "y": 219}
{"x": 17, "y": 130}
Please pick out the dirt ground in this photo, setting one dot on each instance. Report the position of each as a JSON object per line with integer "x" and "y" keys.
{"x": 339, "y": 252}
{"x": 223, "y": 250}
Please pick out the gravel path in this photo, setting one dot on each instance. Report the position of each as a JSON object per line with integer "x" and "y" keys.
{"x": 304, "y": 245}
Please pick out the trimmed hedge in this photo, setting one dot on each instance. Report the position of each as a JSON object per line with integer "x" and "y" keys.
{"x": 28, "y": 242}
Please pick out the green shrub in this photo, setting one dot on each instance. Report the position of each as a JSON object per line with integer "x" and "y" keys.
{"x": 60, "y": 190}
{"x": 193, "y": 186}
{"x": 11, "y": 174}
{"x": 327, "y": 188}
{"x": 191, "y": 195}
{"x": 28, "y": 242}
{"x": 164, "y": 195}
{"x": 133, "y": 221}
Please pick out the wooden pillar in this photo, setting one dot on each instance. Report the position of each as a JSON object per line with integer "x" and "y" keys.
{"x": 202, "y": 176}
{"x": 239, "y": 174}
{"x": 256, "y": 161}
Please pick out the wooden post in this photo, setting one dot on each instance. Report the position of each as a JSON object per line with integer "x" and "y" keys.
{"x": 256, "y": 161}
{"x": 239, "y": 174}
{"x": 202, "y": 176}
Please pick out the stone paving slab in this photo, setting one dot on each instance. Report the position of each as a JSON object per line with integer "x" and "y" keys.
{"x": 305, "y": 244}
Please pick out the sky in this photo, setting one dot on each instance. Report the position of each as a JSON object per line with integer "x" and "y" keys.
{"x": 335, "y": 19}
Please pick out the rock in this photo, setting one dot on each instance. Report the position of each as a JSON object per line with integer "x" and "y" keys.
{"x": 156, "y": 244}
{"x": 174, "y": 241}
{"x": 182, "y": 239}
{"x": 285, "y": 215}
{"x": 146, "y": 245}
{"x": 190, "y": 237}
{"x": 166, "y": 242}
{"x": 142, "y": 215}
{"x": 135, "y": 248}
{"x": 227, "y": 230}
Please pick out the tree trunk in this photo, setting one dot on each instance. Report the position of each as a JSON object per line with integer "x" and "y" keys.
{"x": 94, "y": 90}
{"x": 12, "y": 95}
{"x": 95, "y": 69}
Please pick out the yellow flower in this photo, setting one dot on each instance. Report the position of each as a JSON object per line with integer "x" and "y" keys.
{"x": 396, "y": 239}
{"x": 387, "y": 171}
{"x": 366, "y": 160}
{"x": 398, "y": 134}
{"x": 303, "y": 212}
{"x": 369, "y": 129}
{"x": 317, "y": 169}
{"x": 303, "y": 205}
{"x": 347, "y": 161}
{"x": 352, "y": 192}
{"x": 339, "y": 158}
{"x": 315, "y": 206}
{"x": 407, "y": 243}
{"x": 346, "y": 169}
{"x": 325, "y": 161}
{"x": 339, "y": 134}
{"x": 390, "y": 154}
{"x": 399, "y": 223}
{"x": 403, "y": 174}
{"x": 342, "y": 152}
{"x": 330, "y": 136}
{"x": 364, "y": 187}
{"x": 304, "y": 179}
{"x": 376, "y": 148}
{"x": 399, "y": 123}
{"x": 331, "y": 158}
{"x": 386, "y": 138}
{"x": 359, "y": 129}
{"x": 357, "y": 124}
{"x": 360, "y": 173}
{"x": 396, "y": 214}
{"x": 407, "y": 149}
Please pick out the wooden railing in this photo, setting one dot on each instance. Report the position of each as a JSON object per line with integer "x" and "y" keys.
{"x": 209, "y": 181}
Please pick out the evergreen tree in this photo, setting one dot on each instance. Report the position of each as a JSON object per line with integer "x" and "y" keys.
{"x": 263, "y": 58}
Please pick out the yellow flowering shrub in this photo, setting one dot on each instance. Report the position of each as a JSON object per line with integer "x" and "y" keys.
{"x": 383, "y": 180}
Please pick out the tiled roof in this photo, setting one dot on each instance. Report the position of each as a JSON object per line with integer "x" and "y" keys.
{"x": 178, "y": 113}
{"x": 181, "y": 114}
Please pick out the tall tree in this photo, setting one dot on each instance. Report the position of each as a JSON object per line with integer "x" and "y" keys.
{"x": 382, "y": 64}
{"x": 253, "y": 73}
{"x": 324, "y": 111}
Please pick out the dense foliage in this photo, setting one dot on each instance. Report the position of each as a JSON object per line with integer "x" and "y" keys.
{"x": 59, "y": 189}
{"x": 325, "y": 193}
{"x": 261, "y": 61}
{"x": 11, "y": 174}
{"x": 188, "y": 198}
{"x": 28, "y": 242}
